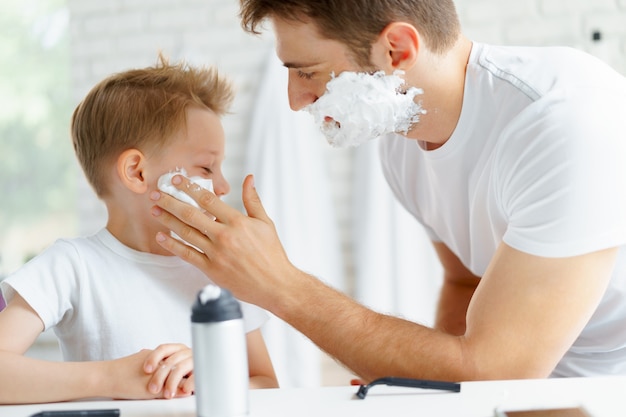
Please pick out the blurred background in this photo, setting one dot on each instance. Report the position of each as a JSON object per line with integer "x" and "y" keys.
{"x": 332, "y": 209}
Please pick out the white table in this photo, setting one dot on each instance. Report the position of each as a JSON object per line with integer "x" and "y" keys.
{"x": 603, "y": 397}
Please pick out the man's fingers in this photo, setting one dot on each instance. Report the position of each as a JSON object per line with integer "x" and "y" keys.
{"x": 186, "y": 222}
{"x": 183, "y": 250}
{"x": 205, "y": 199}
{"x": 252, "y": 201}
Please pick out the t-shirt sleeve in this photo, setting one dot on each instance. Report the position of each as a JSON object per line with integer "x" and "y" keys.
{"x": 45, "y": 283}
{"x": 563, "y": 187}
{"x": 253, "y": 317}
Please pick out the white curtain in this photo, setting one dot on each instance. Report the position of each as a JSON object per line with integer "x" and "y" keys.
{"x": 396, "y": 269}
{"x": 285, "y": 153}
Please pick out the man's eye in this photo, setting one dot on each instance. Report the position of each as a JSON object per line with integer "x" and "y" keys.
{"x": 305, "y": 75}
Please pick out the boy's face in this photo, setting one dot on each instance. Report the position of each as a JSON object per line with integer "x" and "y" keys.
{"x": 199, "y": 149}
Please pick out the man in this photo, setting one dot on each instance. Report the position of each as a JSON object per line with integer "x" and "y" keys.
{"x": 514, "y": 164}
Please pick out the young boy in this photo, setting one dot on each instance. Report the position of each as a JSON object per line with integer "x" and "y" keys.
{"x": 118, "y": 302}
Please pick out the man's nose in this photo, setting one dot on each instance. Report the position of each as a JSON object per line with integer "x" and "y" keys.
{"x": 300, "y": 96}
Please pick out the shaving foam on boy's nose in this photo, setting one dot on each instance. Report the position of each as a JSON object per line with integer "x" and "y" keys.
{"x": 165, "y": 185}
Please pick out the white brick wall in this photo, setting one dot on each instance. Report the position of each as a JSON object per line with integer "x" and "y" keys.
{"x": 550, "y": 22}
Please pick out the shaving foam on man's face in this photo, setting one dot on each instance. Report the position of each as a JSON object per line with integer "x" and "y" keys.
{"x": 358, "y": 107}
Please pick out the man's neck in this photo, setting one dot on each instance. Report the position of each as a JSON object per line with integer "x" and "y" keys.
{"x": 443, "y": 80}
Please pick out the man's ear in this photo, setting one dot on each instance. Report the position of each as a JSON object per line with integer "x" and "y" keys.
{"x": 130, "y": 170}
{"x": 401, "y": 42}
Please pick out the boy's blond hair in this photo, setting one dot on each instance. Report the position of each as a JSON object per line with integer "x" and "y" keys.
{"x": 141, "y": 109}
{"x": 357, "y": 23}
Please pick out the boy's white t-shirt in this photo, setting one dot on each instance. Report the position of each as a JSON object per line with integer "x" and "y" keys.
{"x": 538, "y": 161}
{"x": 105, "y": 300}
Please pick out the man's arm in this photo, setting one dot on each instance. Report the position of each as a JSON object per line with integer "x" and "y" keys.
{"x": 522, "y": 318}
{"x": 457, "y": 290}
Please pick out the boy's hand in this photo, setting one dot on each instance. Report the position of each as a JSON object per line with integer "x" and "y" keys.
{"x": 171, "y": 367}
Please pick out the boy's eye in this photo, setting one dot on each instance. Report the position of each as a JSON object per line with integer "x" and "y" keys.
{"x": 207, "y": 170}
{"x": 305, "y": 75}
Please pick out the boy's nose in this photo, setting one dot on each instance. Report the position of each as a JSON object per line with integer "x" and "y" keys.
{"x": 220, "y": 186}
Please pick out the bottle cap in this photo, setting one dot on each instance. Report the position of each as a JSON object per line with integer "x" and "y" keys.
{"x": 214, "y": 305}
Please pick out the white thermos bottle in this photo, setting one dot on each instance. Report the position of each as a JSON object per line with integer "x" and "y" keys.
{"x": 219, "y": 354}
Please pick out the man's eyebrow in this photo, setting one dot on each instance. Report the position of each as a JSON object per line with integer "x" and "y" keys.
{"x": 297, "y": 65}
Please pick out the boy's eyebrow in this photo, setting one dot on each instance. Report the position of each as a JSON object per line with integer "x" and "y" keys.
{"x": 208, "y": 153}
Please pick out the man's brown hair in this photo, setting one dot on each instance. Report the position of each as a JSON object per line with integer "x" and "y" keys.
{"x": 141, "y": 109}
{"x": 358, "y": 23}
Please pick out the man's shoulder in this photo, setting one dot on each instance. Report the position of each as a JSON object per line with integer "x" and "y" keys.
{"x": 540, "y": 70}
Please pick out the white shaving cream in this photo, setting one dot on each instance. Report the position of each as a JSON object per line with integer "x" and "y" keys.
{"x": 165, "y": 185}
{"x": 358, "y": 107}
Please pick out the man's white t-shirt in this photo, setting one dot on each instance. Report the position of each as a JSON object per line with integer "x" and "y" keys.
{"x": 105, "y": 300}
{"x": 538, "y": 161}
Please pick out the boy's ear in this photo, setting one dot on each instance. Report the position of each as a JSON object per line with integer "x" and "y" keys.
{"x": 401, "y": 43}
{"x": 130, "y": 170}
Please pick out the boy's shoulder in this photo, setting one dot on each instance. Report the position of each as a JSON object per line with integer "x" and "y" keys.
{"x": 64, "y": 253}
{"x": 80, "y": 245}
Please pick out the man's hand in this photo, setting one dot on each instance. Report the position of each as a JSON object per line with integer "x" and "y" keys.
{"x": 239, "y": 252}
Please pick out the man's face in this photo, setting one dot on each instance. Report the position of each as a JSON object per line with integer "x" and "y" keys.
{"x": 310, "y": 59}
{"x": 350, "y": 105}
{"x": 199, "y": 150}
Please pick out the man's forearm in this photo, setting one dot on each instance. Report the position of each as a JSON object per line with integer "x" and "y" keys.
{"x": 370, "y": 344}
